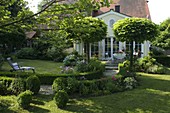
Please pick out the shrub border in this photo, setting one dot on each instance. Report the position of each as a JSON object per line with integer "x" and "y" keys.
{"x": 49, "y": 78}
{"x": 164, "y": 60}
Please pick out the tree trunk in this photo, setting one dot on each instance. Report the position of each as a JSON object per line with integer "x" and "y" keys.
{"x": 131, "y": 57}
{"x": 87, "y": 52}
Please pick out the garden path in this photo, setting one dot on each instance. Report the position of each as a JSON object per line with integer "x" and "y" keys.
{"x": 47, "y": 89}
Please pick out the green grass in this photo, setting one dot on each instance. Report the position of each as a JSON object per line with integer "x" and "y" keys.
{"x": 41, "y": 66}
{"x": 152, "y": 96}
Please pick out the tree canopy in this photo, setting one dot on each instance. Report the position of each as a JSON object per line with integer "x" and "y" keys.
{"x": 87, "y": 30}
{"x": 163, "y": 40}
{"x": 135, "y": 29}
{"x": 12, "y": 36}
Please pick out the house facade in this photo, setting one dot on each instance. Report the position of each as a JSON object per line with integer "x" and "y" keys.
{"x": 120, "y": 10}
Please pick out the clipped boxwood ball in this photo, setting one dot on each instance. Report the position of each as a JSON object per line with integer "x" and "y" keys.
{"x": 33, "y": 84}
{"x": 61, "y": 98}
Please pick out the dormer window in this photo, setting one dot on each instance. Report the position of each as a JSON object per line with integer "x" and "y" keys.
{"x": 111, "y": 22}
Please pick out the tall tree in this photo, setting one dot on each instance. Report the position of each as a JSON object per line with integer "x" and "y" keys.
{"x": 13, "y": 35}
{"x": 163, "y": 40}
{"x": 87, "y": 30}
{"x": 134, "y": 29}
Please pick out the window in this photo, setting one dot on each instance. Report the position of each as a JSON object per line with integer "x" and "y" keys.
{"x": 111, "y": 22}
{"x": 108, "y": 47}
{"x": 94, "y": 49}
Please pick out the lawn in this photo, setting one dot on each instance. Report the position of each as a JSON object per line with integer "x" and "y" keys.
{"x": 152, "y": 96}
{"x": 41, "y": 66}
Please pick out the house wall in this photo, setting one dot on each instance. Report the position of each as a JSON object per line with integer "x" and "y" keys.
{"x": 107, "y": 17}
{"x": 122, "y": 45}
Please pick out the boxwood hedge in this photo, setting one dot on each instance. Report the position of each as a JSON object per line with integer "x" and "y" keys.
{"x": 49, "y": 78}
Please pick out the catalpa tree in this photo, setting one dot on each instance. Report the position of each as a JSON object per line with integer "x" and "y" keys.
{"x": 135, "y": 29}
{"x": 86, "y": 30}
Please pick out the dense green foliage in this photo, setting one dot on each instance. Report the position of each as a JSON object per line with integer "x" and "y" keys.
{"x": 151, "y": 96}
{"x": 146, "y": 64}
{"x": 164, "y": 60}
{"x": 61, "y": 98}
{"x": 163, "y": 40}
{"x": 50, "y": 45}
{"x": 3, "y": 88}
{"x": 92, "y": 66}
{"x": 26, "y": 53}
{"x": 72, "y": 85}
{"x": 5, "y": 83}
{"x": 49, "y": 78}
{"x": 134, "y": 29}
{"x": 1, "y": 61}
{"x": 59, "y": 84}
{"x": 12, "y": 35}
{"x": 87, "y": 30}
{"x": 96, "y": 87}
{"x": 72, "y": 59}
{"x": 24, "y": 99}
{"x": 150, "y": 65}
{"x": 18, "y": 85}
{"x": 33, "y": 84}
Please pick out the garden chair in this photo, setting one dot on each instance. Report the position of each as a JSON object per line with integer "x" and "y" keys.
{"x": 15, "y": 66}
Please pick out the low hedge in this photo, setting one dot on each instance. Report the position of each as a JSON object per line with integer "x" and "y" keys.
{"x": 49, "y": 78}
{"x": 164, "y": 60}
{"x": 6, "y": 80}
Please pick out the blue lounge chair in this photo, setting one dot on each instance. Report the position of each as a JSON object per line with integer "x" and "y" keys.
{"x": 15, "y": 66}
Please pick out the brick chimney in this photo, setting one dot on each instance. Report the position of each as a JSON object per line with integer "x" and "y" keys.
{"x": 117, "y": 8}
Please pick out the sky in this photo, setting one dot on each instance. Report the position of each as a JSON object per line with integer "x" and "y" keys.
{"x": 159, "y": 9}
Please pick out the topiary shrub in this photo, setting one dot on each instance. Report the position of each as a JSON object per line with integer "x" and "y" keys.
{"x": 33, "y": 84}
{"x": 24, "y": 99}
{"x": 59, "y": 84}
{"x": 72, "y": 84}
{"x": 18, "y": 86}
{"x": 83, "y": 89}
{"x": 61, "y": 98}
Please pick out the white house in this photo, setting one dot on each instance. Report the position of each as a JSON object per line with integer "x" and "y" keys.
{"x": 109, "y": 46}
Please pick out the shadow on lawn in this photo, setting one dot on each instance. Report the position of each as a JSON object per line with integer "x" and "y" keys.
{"x": 152, "y": 96}
{"x": 155, "y": 82}
{"x": 36, "y": 109}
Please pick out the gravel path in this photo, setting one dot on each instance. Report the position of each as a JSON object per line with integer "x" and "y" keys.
{"x": 46, "y": 90}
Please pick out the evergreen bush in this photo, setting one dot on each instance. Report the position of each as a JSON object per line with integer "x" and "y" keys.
{"x": 27, "y": 53}
{"x": 83, "y": 89}
{"x": 72, "y": 85}
{"x": 24, "y": 99}
{"x": 59, "y": 84}
{"x": 33, "y": 84}
{"x": 3, "y": 88}
{"x": 18, "y": 85}
{"x": 61, "y": 98}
